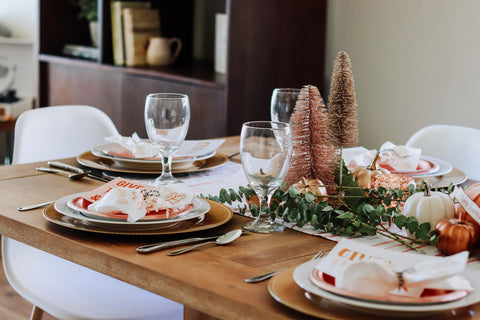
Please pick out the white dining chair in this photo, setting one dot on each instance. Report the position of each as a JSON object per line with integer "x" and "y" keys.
{"x": 64, "y": 289}
{"x": 456, "y": 144}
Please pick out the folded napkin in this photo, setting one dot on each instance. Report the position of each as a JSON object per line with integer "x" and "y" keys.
{"x": 392, "y": 157}
{"x": 138, "y": 147}
{"x": 399, "y": 158}
{"x": 368, "y": 270}
{"x": 137, "y": 199}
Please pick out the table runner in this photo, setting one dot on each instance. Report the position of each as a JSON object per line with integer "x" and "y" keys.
{"x": 231, "y": 175}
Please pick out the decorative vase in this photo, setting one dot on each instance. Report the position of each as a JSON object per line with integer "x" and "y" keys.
{"x": 159, "y": 52}
{"x": 94, "y": 33}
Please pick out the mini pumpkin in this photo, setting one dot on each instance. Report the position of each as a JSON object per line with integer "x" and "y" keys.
{"x": 365, "y": 175}
{"x": 315, "y": 186}
{"x": 473, "y": 192}
{"x": 429, "y": 206}
{"x": 455, "y": 236}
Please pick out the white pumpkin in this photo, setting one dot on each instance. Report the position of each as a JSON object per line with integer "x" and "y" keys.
{"x": 429, "y": 206}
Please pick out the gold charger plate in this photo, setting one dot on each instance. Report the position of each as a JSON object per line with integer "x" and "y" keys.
{"x": 283, "y": 289}
{"x": 88, "y": 159}
{"x": 218, "y": 215}
{"x": 455, "y": 176}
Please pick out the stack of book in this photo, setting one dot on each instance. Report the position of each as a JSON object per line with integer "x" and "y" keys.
{"x": 133, "y": 24}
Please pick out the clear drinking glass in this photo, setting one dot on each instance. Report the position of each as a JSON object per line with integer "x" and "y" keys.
{"x": 265, "y": 150}
{"x": 167, "y": 116}
{"x": 282, "y": 104}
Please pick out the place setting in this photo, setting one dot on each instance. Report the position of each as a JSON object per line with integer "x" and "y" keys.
{"x": 141, "y": 207}
{"x": 408, "y": 161}
{"x": 370, "y": 281}
{"x": 122, "y": 156}
{"x": 146, "y": 156}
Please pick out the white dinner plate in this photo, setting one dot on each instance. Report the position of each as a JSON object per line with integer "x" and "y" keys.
{"x": 444, "y": 168}
{"x": 302, "y": 273}
{"x": 102, "y": 152}
{"x": 199, "y": 209}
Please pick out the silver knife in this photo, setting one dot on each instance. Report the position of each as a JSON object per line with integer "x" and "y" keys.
{"x": 170, "y": 244}
{"x": 35, "y": 206}
{"x": 61, "y": 165}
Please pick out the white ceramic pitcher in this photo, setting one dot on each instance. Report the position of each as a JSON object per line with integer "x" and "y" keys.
{"x": 159, "y": 52}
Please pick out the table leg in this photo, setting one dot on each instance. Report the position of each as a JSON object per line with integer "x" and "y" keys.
{"x": 37, "y": 313}
{"x": 192, "y": 314}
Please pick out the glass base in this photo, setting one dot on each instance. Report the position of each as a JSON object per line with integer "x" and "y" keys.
{"x": 262, "y": 225}
{"x": 162, "y": 181}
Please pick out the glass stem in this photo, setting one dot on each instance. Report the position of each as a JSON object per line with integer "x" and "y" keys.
{"x": 264, "y": 215}
{"x": 167, "y": 166}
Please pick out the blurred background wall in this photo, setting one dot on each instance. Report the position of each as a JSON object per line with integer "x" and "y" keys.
{"x": 415, "y": 62}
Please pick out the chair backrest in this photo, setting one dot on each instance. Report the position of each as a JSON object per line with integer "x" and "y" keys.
{"x": 59, "y": 132}
{"x": 458, "y": 145}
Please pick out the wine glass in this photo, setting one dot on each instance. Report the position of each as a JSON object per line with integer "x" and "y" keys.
{"x": 282, "y": 104}
{"x": 167, "y": 116}
{"x": 265, "y": 150}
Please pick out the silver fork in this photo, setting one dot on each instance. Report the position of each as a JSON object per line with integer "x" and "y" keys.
{"x": 265, "y": 276}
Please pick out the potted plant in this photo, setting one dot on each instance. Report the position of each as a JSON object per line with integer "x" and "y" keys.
{"x": 89, "y": 11}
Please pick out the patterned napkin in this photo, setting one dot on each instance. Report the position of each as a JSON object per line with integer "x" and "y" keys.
{"x": 136, "y": 147}
{"x": 399, "y": 158}
{"x": 392, "y": 157}
{"x": 139, "y": 148}
{"x": 137, "y": 199}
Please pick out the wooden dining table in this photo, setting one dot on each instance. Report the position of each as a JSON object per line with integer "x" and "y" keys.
{"x": 209, "y": 282}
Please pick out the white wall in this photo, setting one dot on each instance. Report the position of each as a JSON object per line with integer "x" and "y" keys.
{"x": 20, "y": 17}
{"x": 415, "y": 63}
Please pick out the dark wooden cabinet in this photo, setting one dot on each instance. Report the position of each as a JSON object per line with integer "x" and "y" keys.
{"x": 271, "y": 43}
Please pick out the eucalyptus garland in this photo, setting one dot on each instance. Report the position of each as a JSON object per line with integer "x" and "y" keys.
{"x": 360, "y": 211}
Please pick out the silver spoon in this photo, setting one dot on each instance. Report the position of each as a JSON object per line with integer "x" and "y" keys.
{"x": 72, "y": 176}
{"x": 224, "y": 239}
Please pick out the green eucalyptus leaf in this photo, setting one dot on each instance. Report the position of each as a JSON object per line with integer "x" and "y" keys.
{"x": 425, "y": 227}
{"x": 412, "y": 225}
{"x": 328, "y": 208}
{"x": 346, "y": 215}
{"x": 422, "y": 235}
{"x": 401, "y": 221}
{"x": 310, "y": 197}
{"x": 292, "y": 192}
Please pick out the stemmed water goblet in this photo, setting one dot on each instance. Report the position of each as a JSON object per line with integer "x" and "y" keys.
{"x": 282, "y": 104}
{"x": 167, "y": 116}
{"x": 265, "y": 150}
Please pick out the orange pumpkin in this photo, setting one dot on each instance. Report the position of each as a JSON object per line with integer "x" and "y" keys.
{"x": 365, "y": 175}
{"x": 473, "y": 192}
{"x": 455, "y": 236}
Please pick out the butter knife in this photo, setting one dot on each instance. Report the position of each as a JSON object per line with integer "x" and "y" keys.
{"x": 170, "y": 244}
{"x": 61, "y": 165}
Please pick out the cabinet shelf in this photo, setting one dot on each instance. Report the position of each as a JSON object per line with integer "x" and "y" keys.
{"x": 200, "y": 74}
{"x": 265, "y": 50}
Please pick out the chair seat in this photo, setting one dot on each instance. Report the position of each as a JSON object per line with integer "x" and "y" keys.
{"x": 64, "y": 289}
{"x": 42, "y": 278}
